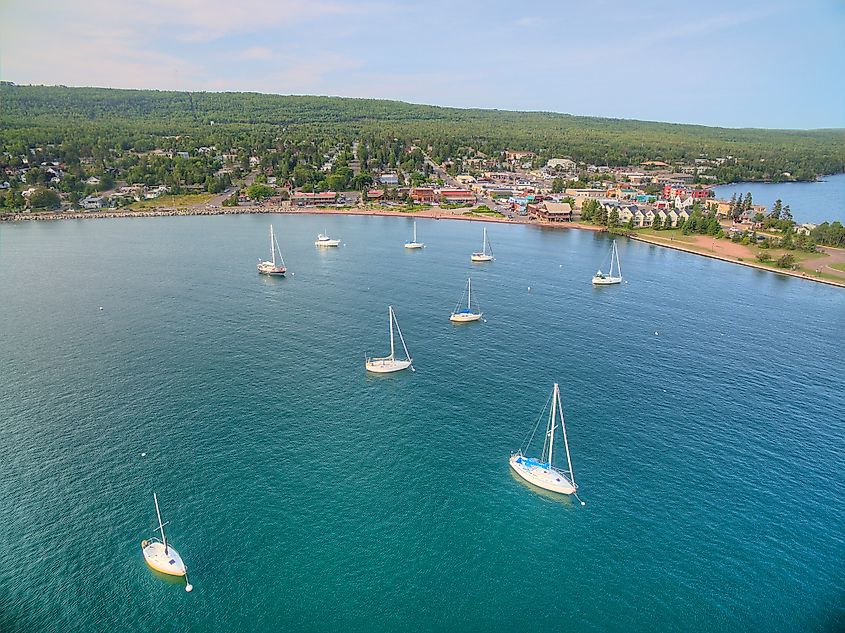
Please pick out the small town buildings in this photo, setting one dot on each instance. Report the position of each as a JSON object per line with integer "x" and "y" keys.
{"x": 376, "y": 195}
{"x": 304, "y": 199}
{"x": 457, "y": 196}
{"x": 561, "y": 164}
{"x": 551, "y": 211}
{"x": 389, "y": 179}
{"x": 423, "y": 195}
{"x": 580, "y": 195}
{"x": 93, "y": 181}
{"x": 697, "y": 193}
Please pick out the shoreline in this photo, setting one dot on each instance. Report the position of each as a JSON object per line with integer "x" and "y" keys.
{"x": 788, "y": 273}
{"x": 433, "y": 214}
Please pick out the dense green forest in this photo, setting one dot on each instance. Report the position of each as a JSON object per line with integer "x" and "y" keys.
{"x": 94, "y": 122}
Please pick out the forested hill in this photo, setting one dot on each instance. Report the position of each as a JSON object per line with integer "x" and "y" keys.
{"x": 140, "y": 119}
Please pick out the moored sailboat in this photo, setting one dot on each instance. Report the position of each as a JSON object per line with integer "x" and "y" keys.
{"x": 540, "y": 471}
{"x": 271, "y": 267}
{"x": 161, "y": 556}
{"x": 486, "y": 252}
{"x": 601, "y": 279}
{"x": 414, "y": 243}
{"x": 388, "y": 364}
{"x": 325, "y": 240}
{"x": 465, "y": 315}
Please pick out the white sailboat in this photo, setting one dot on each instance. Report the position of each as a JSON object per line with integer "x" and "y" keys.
{"x": 324, "y": 240}
{"x": 161, "y": 556}
{"x": 414, "y": 243}
{"x": 540, "y": 471}
{"x": 486, "y": 252}
{"x": 390, "y": 363}
{"x": 600, "y": 279}
{"x": 271, "y": 267}
{"x": 465, "y": 315}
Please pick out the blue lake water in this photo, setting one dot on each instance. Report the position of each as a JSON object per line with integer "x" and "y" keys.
{"x": 705, "y": 404}
{"x": 816, "y": 202}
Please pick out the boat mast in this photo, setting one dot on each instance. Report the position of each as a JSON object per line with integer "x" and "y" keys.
{"x": 484, "y": 244}
{"x": 415, "y": 232}
{"x": 390, "y": 323}
{"x": 160, "y": 524}
{"x": 565, "y": 441}
{"x": 618, "y": 265}
{"x": 272, "y": 245}
{"x": 552, "y": 425}
{"x": 469, "y": 294}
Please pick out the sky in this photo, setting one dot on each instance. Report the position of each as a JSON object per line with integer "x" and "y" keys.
{"x": 770, "y": 63}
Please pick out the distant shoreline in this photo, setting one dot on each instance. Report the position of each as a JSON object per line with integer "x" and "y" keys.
{"x": 434, "y": 214}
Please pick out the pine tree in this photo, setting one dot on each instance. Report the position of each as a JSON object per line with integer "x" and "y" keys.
{"x": 776, "y": 210}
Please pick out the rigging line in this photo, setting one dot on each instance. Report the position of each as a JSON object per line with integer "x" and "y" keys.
{"x": 540, "y": 417}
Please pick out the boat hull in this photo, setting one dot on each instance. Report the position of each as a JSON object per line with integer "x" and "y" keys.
{"x": 541, "y": 475}
{"x": 414, "y": 245}
{"x": 606, "y": 281}
{"x": 167, "y": 562}
{"x": 273, "y": 272}
{"x": 327, "y": 243}
{"x": 386, "y": 365}
{"x": 480, "y": 257}
{"x": 465, "y": 317}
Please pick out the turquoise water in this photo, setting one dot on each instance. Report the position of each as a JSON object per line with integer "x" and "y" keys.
{"x": 705, "y": 405}
{"x": 817, "y": 202}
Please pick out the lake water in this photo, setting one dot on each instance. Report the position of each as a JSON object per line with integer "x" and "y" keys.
{"x": 705, "y": 405}
{"x": 816, "y": 202}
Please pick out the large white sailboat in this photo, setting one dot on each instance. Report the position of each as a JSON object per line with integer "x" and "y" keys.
{"x": 414, "y": 243}
{"x": 486, "y": 252}
{"x": 601, "y": 279}
{"x": 325, "y": 240}
{"x": 389, "y": 364}
{"x": 541, "y": 471}
{"x": 272, "y": 267}
{"x": 465, "y": 315}
{"x": 161, "y": 556}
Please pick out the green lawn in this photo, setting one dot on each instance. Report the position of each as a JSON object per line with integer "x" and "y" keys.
{"x": 484, "y": 211}
{"x": 838, "y": 267}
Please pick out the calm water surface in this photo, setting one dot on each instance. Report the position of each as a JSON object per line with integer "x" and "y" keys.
{"x": 817, "y": 202}
{"x": 705, "y": 404}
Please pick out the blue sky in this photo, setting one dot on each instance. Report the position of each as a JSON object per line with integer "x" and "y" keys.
{"x": 737, "y": 64}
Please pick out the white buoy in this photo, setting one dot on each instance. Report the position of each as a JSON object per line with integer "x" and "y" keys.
{"x": 143, "y": 454}
{"x": 189, "y": 587}
{"x": 657, "y": 334}
{"x": 101, "y": 307}
{"x": 529, "y": 288}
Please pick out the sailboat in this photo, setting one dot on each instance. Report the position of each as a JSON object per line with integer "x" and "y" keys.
{"x": 465, "y": 315}
{"x": 483, "y": 255}
{"x": 390, "y": 363}
{"x": 270, "y": 267}
{"x": 325, "y": 240}
{"x": 161, "y": 556}
{"x": 414, "y": 243}
{"x": 540, "y": 471}
{"x": 600, "y": 279}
